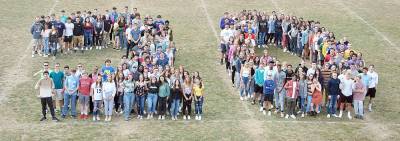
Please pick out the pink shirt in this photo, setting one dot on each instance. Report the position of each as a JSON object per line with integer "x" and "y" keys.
{"x": 84, "y": 86}
{"x": 358, "y": 95}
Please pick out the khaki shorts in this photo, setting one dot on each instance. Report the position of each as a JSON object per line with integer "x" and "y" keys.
{"x": 59, "y": 95}
{"x": 77, "y": 40}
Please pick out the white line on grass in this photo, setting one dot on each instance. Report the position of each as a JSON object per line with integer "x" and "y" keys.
{"x": 384, "y": 37}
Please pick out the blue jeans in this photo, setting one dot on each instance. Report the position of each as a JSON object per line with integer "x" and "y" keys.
{"x": 129, "y": 98}
{"x": 140, "y": 101}
{"x": 278, "y": 37}
{"x": 67, "y": 99}
{"x": 309, "y": 99}
{"x": 237, "y": 79}
{"x": 96, "y": 107}
{"x": 46, "y": 45}
{"x": 122, "y": 40}
{"x": 332, "y": 105}
{"x": 174, "y": 107}
{"x": 151, "y": 102}
{"x": 53, "y": 48}
{"x": 261, "y": 38}
{"x": 280, "y": 103}
{"x": 199, "y": 106}
{"x": 358, "y": 107}
{"x": 245, "y": 87}
{"x": 108, "y": 107}
{"x": 88, "y": 38}
{"x": 302, "y": 104}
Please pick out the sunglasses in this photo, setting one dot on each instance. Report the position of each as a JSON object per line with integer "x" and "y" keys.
{"x": 46, "y": 65}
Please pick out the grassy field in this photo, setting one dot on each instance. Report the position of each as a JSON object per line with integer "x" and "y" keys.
{"x": 371, "y": 27}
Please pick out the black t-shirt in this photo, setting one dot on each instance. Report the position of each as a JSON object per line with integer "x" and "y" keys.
{"x": 107, "y": 25}
{"x": 279, "y": 25}
{"x": 176, "y": 93}
{"x": 263, "y": 26}
{"x": 78, "y": 29}
{"x": 153, "y": 87}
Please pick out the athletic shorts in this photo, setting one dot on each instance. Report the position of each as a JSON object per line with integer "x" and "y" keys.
{"x": 346, "y": 99}
{"x": 371, "y": 92}
{"x": 258, "y": 89}
{"x": 269, "y": 97}
{"x": 83, "y": 99}
{"x": 223, "y": 48}
{"x": 78, "y": 40}
{"x": 68, "y": 39}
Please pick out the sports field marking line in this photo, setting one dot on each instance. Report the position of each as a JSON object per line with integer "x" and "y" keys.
{"x": 384, "y": 37}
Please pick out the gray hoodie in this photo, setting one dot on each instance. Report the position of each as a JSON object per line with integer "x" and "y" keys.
{"x": 36, "y": 30}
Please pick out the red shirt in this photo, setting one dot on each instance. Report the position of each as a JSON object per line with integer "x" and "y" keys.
{"x": 84, "y": 86}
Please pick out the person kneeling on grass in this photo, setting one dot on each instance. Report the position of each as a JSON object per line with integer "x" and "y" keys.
{"x": 292, "y": 88}
{"x": 269, "y": 86}
{"x": 46, "y": 89}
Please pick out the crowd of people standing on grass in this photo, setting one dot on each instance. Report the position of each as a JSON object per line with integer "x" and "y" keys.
{"x": 336, "y": 76}
{"x": 144, "y": 83}
{"x": 86, "y": 30}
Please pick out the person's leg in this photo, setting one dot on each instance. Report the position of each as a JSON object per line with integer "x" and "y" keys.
{"x": 73, "y": 104}
{"x": 127, "y": 100}
{"x": 43, "y": 102}
{"x": 276, "y": 96}
{"x": 49, "y": 102}
{"x": 149, "y": 102}
{"x": 282, "y": 101}
{"x": 309, "y": 98}
{"x": 172, "y": 108}
{"x": 154, "y": 106}
{"x": 141, "y": 105}
{"x": 361, "y": 108}
{"x": 67, "y": 98}
{"x": 356, "y": 108}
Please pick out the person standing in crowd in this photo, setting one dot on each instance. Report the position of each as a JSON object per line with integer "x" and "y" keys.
{"x": 316, "y": 96}
{"x": 96, "y": 92}
{"x": 346, "y": 86}
{"x": 244, "y": 81}
{"x": 152, "y": 96}
{"x": 45, "y": 35}
{"x": 98, "y": 32}
{"x": 107, "y": 70}
{"x": 176, "y": 95}
{"x": 58, "y": 79}
{"x": 292, "y": 88}
{"x": 163, "y": 93}
{"x": 109, "y": 92}
{"x": 36, "y": 31}
{"x": 358, "y": 97}
{"x": 68, "y": 34}
{"x": 78, "y": 34}
{"x": 373, "y": 83}
{"x": 53, "y": 41}
{"x": 303, "y": 92}
{"x": 280, "y": 92}
{"x": 88, "y": 34}
{"x": 334, "y": 94}
{"x": 259, "y": 83}
{"x": 71, "y": 84}
{"x": 129, "y": 97}
{"x": 140, "y": 92}
{"x": 187, "y": 98}
{"x": 263, "y": 29}
{"x": 268, "y": 90}
{"x": 84, "y": 92}
{"x": 225, "y": 35}
{"x": 198, "y": 92}
{"x": 46, "y": 90}
{"x": 60, "y": 27}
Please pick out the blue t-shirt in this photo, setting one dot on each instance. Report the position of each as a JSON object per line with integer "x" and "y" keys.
{"x": 71, "y": 82}
{"x": 136, "y": 34}
{"x": 106, "y": 71}
{"x": 57, "y": 79}
{"x": 269, "y": 86}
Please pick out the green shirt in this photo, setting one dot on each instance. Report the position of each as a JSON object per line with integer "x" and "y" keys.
{"x": 164, "y": 90}
{"x": 57, "y": 79}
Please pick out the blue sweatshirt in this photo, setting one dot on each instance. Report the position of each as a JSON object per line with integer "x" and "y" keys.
{"x": 333, "y": 87}
{"x": 269, "y": 86}
{"x": 259, "y": 76}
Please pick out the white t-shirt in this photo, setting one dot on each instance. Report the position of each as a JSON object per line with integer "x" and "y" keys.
{"x": 97, "y": 92}
{"x": 225, "y": 34}
{"x": 69, "y": 29}
{"x": 374, "y": 79}
{"x": 347, "y": 87}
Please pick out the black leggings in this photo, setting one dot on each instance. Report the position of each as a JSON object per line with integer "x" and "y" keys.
{"x": 47, "y": 101}
{"x": 98, "y": 40}
{"x": 233, "y": 74}
{"x": 270, "y": 36}
{"x": 162, "y": 105}
{"x": 118, "y": 101}
{"x": 187, "y": 106}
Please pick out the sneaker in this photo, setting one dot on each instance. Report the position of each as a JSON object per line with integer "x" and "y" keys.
{"x": 269, "y": 113}
{"x": 261, "y": 109}
{"x": 159, "y": 117}
{"x": 62, "y": 116}
{"x": 241, "y": 98}
{"x": 349, "y": 115}
{"x": 334, "y": 115}
{"x": 55, "y": 119}
{"x": 162, "y": 117}
{"x": 276, "y": 112}
{"x": 282, "y": 114}
{"x": 264, "y": 112}
{"x": 302, "y": 115}
{"x": 293, "y": 116}
{"x": 298, "y": 112}
{"x": 94, "y": 118}
{"x": 33, "y": 55}
{"x": 199, "y": 117}
{"x": 184, "y": 117}
{"x": 328, "y": 116}
{"x": 287, "y": 116}
{"x": 98, "y": 117}
{"x": 340, "y": 114}
{"x": 43, "y": 118}
{"x": 148, "y": 116}
{"x": 188, "y": 117}
{"x": 121, "y": 112}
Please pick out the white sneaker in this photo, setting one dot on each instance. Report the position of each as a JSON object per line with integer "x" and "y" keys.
{"x": 148, "y": 116}
{"x": 340, "y": 114}
{"x": 241, "y": 98}
{"x": 334, "y": 115}
{"x": 144, "y": 112}
{"x": 98, "y": 117}
{"x": 276, "y": 112}
{"x": 261, "y": 109}
{"x": 264, "y": 112}
{"x": 269, "y": 113}
{"x": 33, "y": 55}
{"x": 159, "y": 117}
{"x": 302, "y": 115}
{"x": 349, "y": 115}
{"x": 94, "y": 118}
{"x": 199, "y": 117}
{"x": 328, "y": 116}
{"x": 141, "y": 117}
{"x": 184, "y": 117}
{"x": 293, "y": 116}
{"x": 172, "y": 118}
{"x": 97, "y": 47}
{"x": 162, "y": 117}
{"x": 298, "y": 112}
{"x": 282, "y": 115}
{"x": 287, "y": 116}
{"x": 188, "y": 117}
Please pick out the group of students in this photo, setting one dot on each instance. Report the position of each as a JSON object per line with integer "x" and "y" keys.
{"x": 146, "y": 74}
{"x": 89, "y": 30}
{"x": 337, "y": 78}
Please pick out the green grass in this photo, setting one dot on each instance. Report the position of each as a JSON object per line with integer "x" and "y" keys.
{"x": 226, "y": 117}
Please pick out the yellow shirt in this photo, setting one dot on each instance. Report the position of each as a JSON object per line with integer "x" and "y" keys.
{"x": 198, "y": 91}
